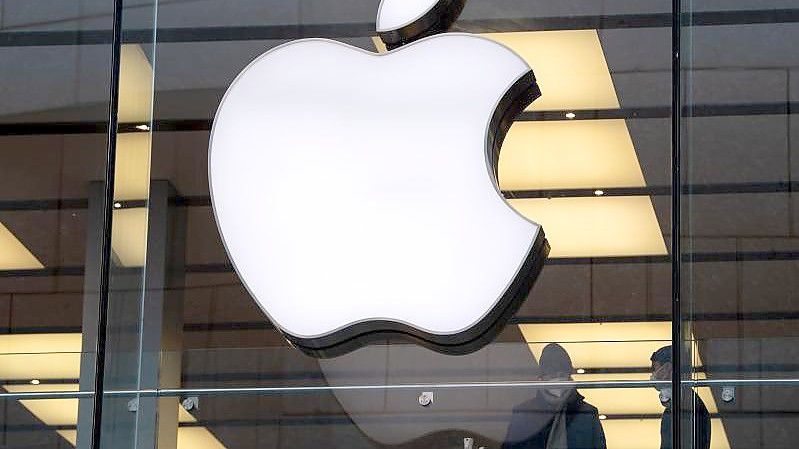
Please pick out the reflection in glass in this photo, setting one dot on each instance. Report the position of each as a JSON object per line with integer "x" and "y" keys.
{"x": 558, "y": 417}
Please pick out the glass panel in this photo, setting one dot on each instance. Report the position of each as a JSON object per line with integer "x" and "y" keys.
{"x": 140, "y": 275}
{"x": 499, "y": 416}
{"x": 55, "y": 60}
{"x": 589, "y": 160}
{"x": 598, "y": 182}
{"x": 739, "y": 216}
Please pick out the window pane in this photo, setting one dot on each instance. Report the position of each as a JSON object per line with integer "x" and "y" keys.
{"x": 54, "y": 83}
{"x": 739, "y": 215}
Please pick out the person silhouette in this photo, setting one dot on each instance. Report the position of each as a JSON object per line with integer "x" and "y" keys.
{"x": 557, "y": 417}
{"x": 661, "y": 370}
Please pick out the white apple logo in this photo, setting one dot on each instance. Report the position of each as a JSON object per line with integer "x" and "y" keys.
{"x": 356, "y": 192}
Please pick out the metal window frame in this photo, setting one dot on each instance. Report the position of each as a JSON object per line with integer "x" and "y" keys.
{"x": 108, "y": 201}
{"x": 676, "y": 225}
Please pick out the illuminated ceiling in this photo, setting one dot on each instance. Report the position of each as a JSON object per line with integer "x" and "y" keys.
{"x": 13, "y": 254}
{"x": 132, "y": 169}
{"x": 596, "y": 226}
{"x": 135, "y": 85}
{"x": 38, "y": 358}
{"x": 569, "y": 66}
{"x": 129, "y": 236}
{"x": 645, "y": 434}
{"x": 573, "y": 154}
{"x": 601, "y": 345}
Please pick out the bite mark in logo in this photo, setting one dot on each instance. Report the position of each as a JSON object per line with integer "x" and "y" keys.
{"x": 356, "y": 192}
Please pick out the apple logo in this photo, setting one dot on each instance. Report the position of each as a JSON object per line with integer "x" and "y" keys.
{"x": 356, "y": 192}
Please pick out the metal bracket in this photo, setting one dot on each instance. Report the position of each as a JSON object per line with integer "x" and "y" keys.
{"x": 426, "y": 398}
{"x": 190, "y": 403}
{"x": 728, "y": 394}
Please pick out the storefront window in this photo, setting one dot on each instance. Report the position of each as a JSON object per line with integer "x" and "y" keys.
{"x": 190, "y": 360}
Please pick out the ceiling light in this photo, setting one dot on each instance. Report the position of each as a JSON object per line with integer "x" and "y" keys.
{"x": 196, "y": 437}
{"x": 129, "y": 236}
{"x": 132, "y": 170}
{"x": 569, "y": 65}
{"x": 645, "y": 433}
{"x": 632, "y": 433}
{"x": 583, "y": 154}
{"x": 184, "y": 416}
{"x": 624, "y": 401}
{"x": 70, "y": 435}
{"x": 52, "y": 412}
{"x": 599, "y": 192}
{"x": 39, "y": 343}
{"x": 14, "y": 255}
{"x": 135, "y": 85}
{"x": 603, "y": 417}
{"x": 580, "y": 371}
{"x": 596, "y": 226}
{"x": 608, "y": 355}
{"x": 570, "y": 115}
{"x": 40, "y": 356}
{"x": 35, "y": 382}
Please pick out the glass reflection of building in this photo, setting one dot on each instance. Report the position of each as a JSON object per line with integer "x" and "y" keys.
{"x": 190, "y": 361}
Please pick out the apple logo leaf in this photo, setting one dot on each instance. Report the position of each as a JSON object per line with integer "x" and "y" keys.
{"x": 403, "y": 21}
{"x": 356, "y": 193}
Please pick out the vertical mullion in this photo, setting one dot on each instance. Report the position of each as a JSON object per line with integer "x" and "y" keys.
{"x": 676, "y": 228}
{"x": 105, "y": 259}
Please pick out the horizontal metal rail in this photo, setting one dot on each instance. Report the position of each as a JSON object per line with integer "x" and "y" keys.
{"x": 693, "y": 383}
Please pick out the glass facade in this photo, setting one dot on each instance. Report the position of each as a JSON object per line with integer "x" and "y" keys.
{"x": 124, "y": 325}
